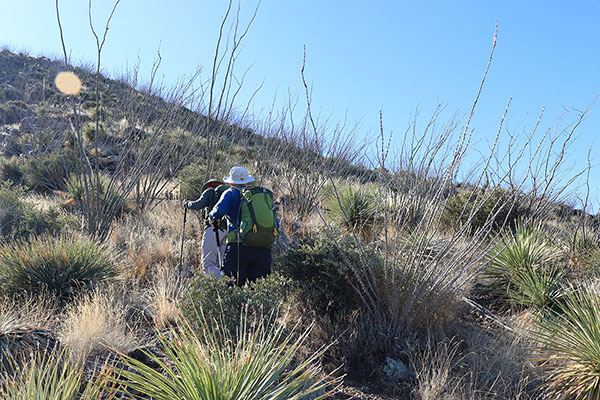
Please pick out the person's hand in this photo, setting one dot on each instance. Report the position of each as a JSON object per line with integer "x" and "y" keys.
{"x": 185, "y": 203}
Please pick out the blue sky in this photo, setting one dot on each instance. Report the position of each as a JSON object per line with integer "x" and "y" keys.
{"x": 361, "y": 56}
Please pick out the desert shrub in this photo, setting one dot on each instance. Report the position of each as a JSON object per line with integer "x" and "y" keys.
{"x": 583, "y": 252}
{"x": 50, "y": 172}
{"x": 89, "y": 131}
{"x": 192, "y": 178}
{"x": 19, "y": 334}
{"x": 13, "y": 147}
{"x": 474, "y": 208}
{"x": 21, "y": 220}
{"x": 355, "y": 210}
{"x": 63, "y": 267}
{"x": 216, "y": 301}
{"x": 54, "y": 376}
{"x": 570, "y": 345}
{"x": 212, "y": 364}
{"x": 11, "y": 170}
{"x": 13, "y": 111}
{"x": 323, "y": 279}
{"x": 525, "y": 270}
{"x": 88, "y": 104}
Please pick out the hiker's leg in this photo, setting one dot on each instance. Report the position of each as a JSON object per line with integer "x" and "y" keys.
{"x": 261, "y": 264}
{"x": 236, "y": 263}
{"x": 210, "y": 261}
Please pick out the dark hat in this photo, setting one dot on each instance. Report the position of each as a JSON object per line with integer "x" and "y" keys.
{"x": 211, "y": 183}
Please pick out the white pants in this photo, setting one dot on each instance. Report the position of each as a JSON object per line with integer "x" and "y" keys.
{"x": 210, "y": 256}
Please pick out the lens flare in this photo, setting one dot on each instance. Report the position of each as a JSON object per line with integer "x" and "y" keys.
{"x": 68, "y": 83}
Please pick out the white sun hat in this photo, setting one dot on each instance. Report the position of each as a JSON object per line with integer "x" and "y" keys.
{"x": 238, "y": 176}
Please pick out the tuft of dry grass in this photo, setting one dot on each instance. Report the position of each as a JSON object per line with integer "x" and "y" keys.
{"x": 433, "y": 369}
{"x": 97, "y": 323}
{"x": 164, "y": 299}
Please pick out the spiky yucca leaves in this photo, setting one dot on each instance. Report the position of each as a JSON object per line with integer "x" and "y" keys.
{"x": 570, "y": 339}
{"x": 355, "y": 210}
{"x": 19, "y": 333}
{"x": 61, "y": 266}
{"x": 210, "y": 364}
{"x": 55, "y": 377}
{"x": 525, "y": 269}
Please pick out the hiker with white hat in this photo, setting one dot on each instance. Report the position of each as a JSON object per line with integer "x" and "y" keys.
{"x": 252, "y": 227}
{"x": 213, "y": 240}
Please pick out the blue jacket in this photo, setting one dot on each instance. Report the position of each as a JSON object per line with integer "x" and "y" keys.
{"x": 228, "y": 205}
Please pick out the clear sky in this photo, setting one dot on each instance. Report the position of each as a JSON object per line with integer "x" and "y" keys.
{"x": 362, "y": 56}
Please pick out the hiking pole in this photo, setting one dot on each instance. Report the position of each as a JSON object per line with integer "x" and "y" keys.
{"x": 216, "y": 229}
{"x": 182, "y": 240}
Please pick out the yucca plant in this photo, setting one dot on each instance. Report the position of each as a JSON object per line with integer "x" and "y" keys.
{"x": 355, "y": 210}
{"x": 76, "y": 190}
{"x": 209, "y": 364}
{"x": 19, "y": 333}
{"x": 570, "y": 345}
{"x": 56, "y": 377}
{"x": 61, "y": 266}
{"x": 525, "y": 269}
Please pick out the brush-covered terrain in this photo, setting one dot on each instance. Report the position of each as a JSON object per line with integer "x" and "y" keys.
{"x": 398, "y": 280}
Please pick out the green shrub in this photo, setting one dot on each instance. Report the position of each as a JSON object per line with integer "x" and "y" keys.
{"x": 62, "y": 267}
{"x": 11, "y": 170}
{"x": 13, "y": 147}
{"x": 13, "y": 112}
{"x": 21, "y": 220}
{"x": 89, "y": 131}
{"x": 50, "y": 172}
{"x": 570, "y": 346}
{"x": 525, "y": 269}
{"x": 355, "y": 210}
{"x": 191, "y": 180}
{"x": 221, "y": 303}
{"x": 317, "y": 268}
{"x": 212, "y": 364}
{"x": 478, "y": 209}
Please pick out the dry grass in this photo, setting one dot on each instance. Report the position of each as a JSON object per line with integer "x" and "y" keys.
{"x": 164, "y": 299}
{"x": 433, "y": 370}
{"x": 97, "y": 323}
{"x": 151, "y": 241}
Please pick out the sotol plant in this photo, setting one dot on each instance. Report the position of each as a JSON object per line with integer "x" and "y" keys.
{"x": 55, "y": 377}
{"x": 525, "y": 269}
{"x": 60, "y": 266}
{"x": 570, "y": 345}
{"x": 355, "y": 210}
{"x": 210, "y": 364}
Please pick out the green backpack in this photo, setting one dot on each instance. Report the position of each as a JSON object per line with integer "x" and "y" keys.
{"x": 258, "y": 226}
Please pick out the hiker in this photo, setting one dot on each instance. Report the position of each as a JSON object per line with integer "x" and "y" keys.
{"x": 211, "y": 253}
{"x": 252, "y": 227}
